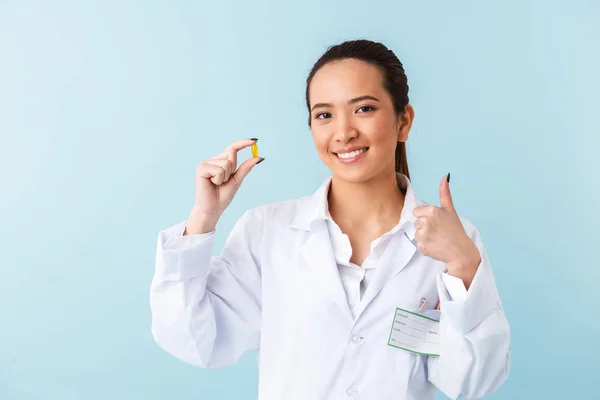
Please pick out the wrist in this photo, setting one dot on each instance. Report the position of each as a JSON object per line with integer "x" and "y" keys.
{"x": 465, "y": 267}
{"x": 200, "y": 223}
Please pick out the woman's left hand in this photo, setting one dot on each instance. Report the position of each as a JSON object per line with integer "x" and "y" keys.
{"x": 441, "y": 236}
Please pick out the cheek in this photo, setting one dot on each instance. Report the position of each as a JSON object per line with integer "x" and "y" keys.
{"x": 321, "y": 140}
{"x": 380, "y": 132}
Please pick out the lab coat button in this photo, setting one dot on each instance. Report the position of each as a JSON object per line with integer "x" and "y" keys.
{"x": 352, "y": 391}
{"x": 357, "y": 339}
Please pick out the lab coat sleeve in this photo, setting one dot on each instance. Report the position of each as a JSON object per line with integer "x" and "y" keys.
{"x": 454, "y": 286}
{"x": 474, "y": 359}
{"x": 206, "y": 310}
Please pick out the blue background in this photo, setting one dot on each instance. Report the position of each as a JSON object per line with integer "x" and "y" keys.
{"x": 107, "y": 106}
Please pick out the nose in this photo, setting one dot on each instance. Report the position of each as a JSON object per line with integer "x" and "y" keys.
{"x": 344, "y": 129}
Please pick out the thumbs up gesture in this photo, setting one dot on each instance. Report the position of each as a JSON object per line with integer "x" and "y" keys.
{"x": 441, "y": 236}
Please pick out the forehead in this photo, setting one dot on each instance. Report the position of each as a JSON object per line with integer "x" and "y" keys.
{"x": 345, "y": 79}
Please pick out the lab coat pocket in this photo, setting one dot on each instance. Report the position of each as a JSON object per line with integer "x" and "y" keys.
{"x": 415, "y": 331}
{"x": 432, "y": 313}
{"x": 410, "y": 367}
{"x": 404, "y": 362}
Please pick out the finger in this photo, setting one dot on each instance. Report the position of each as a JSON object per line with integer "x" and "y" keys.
{"x": 241, "y": 144}
{"x": 445, "y": 196}
{"x": 419, "y": 238}
{"x": 220, "y": 156}
{"x": 230, "y": 153}
{"x": 424, "y": 211}
{"x": 213, "y": 172}
{"x": 420, "y": 223}
{"x": 244, "y": 169}
{"x": 232, "y": 150}
{"x": 226, "y": 164}
{"x": 225, "y": 154}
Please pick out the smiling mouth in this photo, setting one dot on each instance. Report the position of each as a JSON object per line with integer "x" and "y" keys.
{"x": 351, "y": 154}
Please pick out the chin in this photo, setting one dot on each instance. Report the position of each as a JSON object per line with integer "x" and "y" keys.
{"x": 355, "y": 176}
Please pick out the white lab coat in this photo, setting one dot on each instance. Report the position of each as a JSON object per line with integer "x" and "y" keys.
{"x": 275, "y": 288}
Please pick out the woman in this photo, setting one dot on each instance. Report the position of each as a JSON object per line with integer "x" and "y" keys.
{"x": 318, "y": 286}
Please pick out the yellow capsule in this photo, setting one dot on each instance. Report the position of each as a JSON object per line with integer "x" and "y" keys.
{"x": 254, "y": 150}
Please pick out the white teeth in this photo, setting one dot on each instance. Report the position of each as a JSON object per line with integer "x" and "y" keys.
{"x": 351, "y": 154}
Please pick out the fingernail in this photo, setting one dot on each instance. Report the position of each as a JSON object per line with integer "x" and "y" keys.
{"x": 253, "y": 138}
{"x": 448, "y": 179}
{"x": 261, "y": 160}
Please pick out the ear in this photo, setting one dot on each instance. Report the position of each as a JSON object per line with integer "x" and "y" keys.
{"x": 405, "y": 121}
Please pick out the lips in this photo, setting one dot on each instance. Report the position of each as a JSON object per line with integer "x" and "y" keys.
{"x": 350, "y": 154}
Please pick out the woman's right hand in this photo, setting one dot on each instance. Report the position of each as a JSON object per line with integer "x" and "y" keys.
{"x": 217, "y": 182}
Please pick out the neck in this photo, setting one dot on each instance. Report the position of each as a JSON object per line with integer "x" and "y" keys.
{"x": 373, "y": 205}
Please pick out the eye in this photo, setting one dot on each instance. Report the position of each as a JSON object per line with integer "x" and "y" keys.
{"x": 365, "y": 109}
{"x": 323, "y": 116}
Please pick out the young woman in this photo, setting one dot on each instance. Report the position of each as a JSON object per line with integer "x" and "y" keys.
{"x": 332, "y": 289}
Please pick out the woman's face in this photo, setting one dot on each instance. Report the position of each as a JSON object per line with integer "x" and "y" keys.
{"x": 353, "y": 121}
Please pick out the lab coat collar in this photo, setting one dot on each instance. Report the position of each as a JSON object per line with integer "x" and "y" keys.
{"x": 315, "y": 208}
{"x": 312, "y": 215}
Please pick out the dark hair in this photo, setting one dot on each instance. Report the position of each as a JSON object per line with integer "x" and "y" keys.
{"x": 394, "y": 78}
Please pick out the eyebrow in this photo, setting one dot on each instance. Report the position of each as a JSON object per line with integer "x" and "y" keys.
{"x": 352, "y": 101}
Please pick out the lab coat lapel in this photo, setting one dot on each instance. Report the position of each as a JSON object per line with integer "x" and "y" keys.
{"x": 400, "y": 250}
{"x": 318, "y": 254}
{"x": 390, "y": 265}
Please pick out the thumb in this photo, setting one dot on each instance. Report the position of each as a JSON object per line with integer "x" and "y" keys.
{"x": 245, "y": 168}
{"x": 445, "y": 196}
